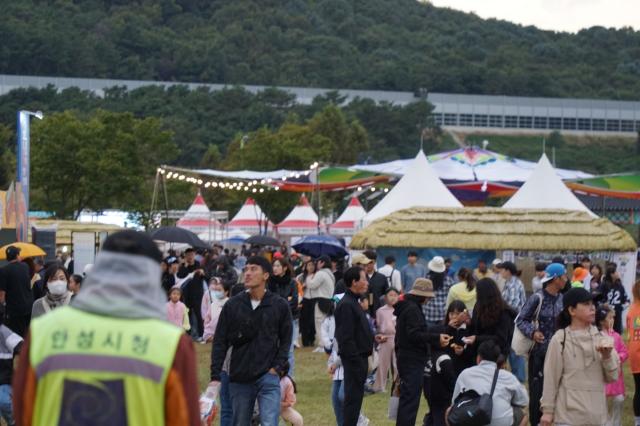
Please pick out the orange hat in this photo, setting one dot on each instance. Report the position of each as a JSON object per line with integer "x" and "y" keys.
{"x": 579, "y": 274}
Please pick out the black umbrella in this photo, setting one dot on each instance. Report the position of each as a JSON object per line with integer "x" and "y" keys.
{"x": 173, "y": 234}
{"x": 319, "y": 245}
{"x": 262, "y": 240}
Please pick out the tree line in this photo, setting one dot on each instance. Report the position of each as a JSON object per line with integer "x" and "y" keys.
{"x": 366, "y": 44}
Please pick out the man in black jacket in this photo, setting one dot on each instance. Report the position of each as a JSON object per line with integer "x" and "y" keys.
{"x": 413, "y": 341}
{"x": 257, "y": 324}
{"x": 15, "y": 291}
{"x": 355, "y": 342}
{"x": 378, "y": 283}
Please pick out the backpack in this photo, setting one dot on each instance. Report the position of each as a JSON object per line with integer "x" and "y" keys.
{"x": 471, "y": 408}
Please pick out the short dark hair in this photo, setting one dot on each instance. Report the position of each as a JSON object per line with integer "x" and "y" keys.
{"x": 52, "y": 270}
{"x": 78, "y": 279}
{"x": 585, "y": 259}
{"x": 189, "y": 250}
{"x": 389, "y": 260}
{"x": 390, "y": 289}
{"x": 370, "y": 254}
{"x": 540, "y": 267}
{"x": 351, "y": 275}
{"x": 261, "y": 262}
{"x": 132, "y": 242}
{"x": 412, "y": 254}
{"x": 489, "y": 351}
{"x": 325, "y": 259}
{"x": 12, "y": 253}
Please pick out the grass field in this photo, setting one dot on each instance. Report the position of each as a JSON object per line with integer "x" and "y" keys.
{"x": 314, "y": 391}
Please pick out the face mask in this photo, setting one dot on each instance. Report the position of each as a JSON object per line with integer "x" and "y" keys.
{"x": 58, "y": 287}
{"x": 218, "y": 294}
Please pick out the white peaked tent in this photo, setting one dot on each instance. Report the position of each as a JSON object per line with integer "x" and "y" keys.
{"x": 198, "y": 218}
{"x": 301, "y": 221}
{"x": 545, "y": 190}
{"x": 419, "y": 187}
{"x": 349, "y": 221}
{"x": 249, "y": 219}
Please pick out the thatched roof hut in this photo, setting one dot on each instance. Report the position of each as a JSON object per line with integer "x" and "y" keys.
{"x": 489, "y": 228}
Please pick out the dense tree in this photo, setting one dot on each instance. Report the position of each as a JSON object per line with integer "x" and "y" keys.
{"x": 105, "y": 161}
{"x": 372, "y": 44}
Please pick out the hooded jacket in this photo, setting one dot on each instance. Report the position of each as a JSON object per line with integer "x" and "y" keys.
{"x": 123, "y": 286}
{"x": 413, "y": 338}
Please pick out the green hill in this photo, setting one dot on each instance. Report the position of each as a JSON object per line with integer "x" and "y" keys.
{"x": 374, "y": 44}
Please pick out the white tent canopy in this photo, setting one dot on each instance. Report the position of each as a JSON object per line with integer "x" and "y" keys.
{"x": 419, "y": 187}
{"x": 349, "y": 220}
{"x": 302, "y": 220}
{"x": 545, "y": 190}
{"x": 250, "y": 219}
{"x": 198, "y": 218}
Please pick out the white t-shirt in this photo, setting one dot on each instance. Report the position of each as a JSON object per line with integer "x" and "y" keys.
{"x": 254, "y": 304}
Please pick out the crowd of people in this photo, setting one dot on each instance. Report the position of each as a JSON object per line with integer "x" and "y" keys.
{"x": 131, "y": 320}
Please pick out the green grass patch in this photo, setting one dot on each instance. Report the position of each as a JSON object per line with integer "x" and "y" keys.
{"x": 314, "y": 391}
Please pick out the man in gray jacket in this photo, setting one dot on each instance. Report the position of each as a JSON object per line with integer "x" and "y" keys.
{"x": 320, "y": 287}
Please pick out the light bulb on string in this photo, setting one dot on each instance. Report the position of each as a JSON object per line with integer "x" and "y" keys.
{"x": 169, "y": 175}
{"x": 207, "y": 184}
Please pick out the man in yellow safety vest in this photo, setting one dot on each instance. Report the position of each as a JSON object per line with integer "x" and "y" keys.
{"x": 110, "y": 358}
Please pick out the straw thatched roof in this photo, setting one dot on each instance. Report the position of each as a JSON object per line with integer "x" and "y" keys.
{"x": 491, "y": 228}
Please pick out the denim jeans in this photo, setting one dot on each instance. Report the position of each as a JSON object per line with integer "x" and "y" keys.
{"x": 243, "y": 397}
{"x": 226, "y": 412}
{"x": 6, "y": 410}
{"x": 292, "y": 359}
{"x": 517, "y": 366}
{"x": 337, "y": 399}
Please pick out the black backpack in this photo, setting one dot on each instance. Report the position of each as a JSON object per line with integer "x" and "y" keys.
{"x": 472, "y": 409}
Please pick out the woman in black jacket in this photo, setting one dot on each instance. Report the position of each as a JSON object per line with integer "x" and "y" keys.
{"x": 282, "y": 283}
{"x": 492, "y": 318}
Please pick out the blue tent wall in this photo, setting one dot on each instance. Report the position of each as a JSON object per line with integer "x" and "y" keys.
{"x": 460, "y": 258}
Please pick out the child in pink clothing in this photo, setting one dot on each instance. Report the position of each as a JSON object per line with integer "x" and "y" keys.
{"x": 177, "y": 312}
{"x": 615, "y": 391}
{"x": 288, "y": 398}
{"x": 386, "y": 326}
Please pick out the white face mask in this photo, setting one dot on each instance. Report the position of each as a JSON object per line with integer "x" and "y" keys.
{"x": 58, "y": 287}
{"x": 218, "y": 294}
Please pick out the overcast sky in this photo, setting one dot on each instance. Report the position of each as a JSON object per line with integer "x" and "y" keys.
{"x": 558, "y": 15}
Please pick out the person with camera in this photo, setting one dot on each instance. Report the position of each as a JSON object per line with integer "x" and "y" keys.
{"x": 257, "y": 324}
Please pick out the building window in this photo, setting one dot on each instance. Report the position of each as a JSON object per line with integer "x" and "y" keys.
{"x": 438, "y": 119}
{"x": 584, "y": 124}
{"x": 555, "y": 123}
{"x": 451, "y": 119}
{"x": 495, "y": 121}
{"x": 627, "y": 126}
{"x": 613, "y": 125}
{"x": 511, "y": 121}
{"x": 597, "y": 125}
{"x": 480, "y": 121}
{"x": 569, "y": 123}
{"x": 466, "y": 120}
{"x": 638, "y": 126}
{"x": 540, "y": 122}
{"x": 525, "y": 122}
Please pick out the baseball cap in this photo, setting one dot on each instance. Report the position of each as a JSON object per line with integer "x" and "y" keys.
{"x": 496, "y": 262}
{"x": 422, "y": 287}
{"x": 552, "y": 271}
{"x": 360, "y": 259}
{"x": 574, "y": 296}
{"x": 579, "y": 274}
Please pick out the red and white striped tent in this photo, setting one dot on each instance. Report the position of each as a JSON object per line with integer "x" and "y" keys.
{"x": 198, "y": 218}
{"x": 349, "y": 221}
{"x": 301, "y": 221}
{"x": 250, "y": 219}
